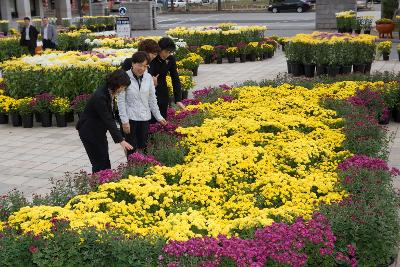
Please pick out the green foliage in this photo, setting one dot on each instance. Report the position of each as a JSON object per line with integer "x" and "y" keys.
{"x": 165, "y": 148}
{"x": 65, "y": 82}
{"x": 10, "y": 47}
{"x": 389, "y": 7}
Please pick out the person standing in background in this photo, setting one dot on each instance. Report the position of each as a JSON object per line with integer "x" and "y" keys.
{"x": 49, "y": 34}
{"x": 160, "y": 67}
{"x": 29, "y": 35}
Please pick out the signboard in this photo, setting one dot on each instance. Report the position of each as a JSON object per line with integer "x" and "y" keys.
{"x": 123, "y": 27}
{"x": 122, "y": 11}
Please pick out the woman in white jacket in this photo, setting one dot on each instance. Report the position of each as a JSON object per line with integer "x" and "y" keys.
{"x": 137, "y": 103}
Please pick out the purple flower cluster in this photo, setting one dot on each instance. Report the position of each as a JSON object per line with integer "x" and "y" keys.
{"x": 227, "y": 98}
{"x": 140, "y": 159}
{"x": 358, "y": 162}
{"x": 201, "y": 92}
{"x": 282, "y": 243}
{"x": 373, "y": 101}
{"x": 78, "y": 100}
{"x": 105, "y": 176}
{"x": 225, "y": 87}
{"x": 188, "y": 102}
{"x": 174, "y": 120}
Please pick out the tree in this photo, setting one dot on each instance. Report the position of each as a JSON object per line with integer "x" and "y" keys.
{"x": 388, "y": 8}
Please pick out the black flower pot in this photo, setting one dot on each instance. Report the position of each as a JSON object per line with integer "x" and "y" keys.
{"x": 368, "y": 67}
{"x": 252, "y": 57}
{"x": 385, "y": 56}
{"x": 367, "y": 31}
{"x": 61, "y": 120}
{"x": 231, "y": 59}
{"x": 345, "y": 70}
{"x": 3, "y": 118}
{"x": 47, "y": 119}
{"x": 27, "y": 121}
{"x": 289, "y": 67}
{"x": 38, "y": 118}
{"x": 207, "y": 60}
{"x": 242, "y": 58}
{"x": 219, "y": 60}
{"x": 349, "y": 30}
{"x": 16, "y": 119}
{"x": 70, "y": 116}
{"x": 341, "y": 30}
{"x": 396, "y": 114}
{"x": 283, "y": 47}
{"x": 185, "y": 94}
{"x": 309, "y": 70}
{"x": 357, "y": 31}
{"x": 321, "y": 70}
{"x": 333, "y": 71}
{"x": 195, "y": 71}
{"x": 358, "y": 68}
{"x": 297, "y": 69}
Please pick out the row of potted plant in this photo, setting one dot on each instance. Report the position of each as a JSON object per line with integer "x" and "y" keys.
{"x": 42, "y": 106}
{"x": 327, "y": 53}
{"x": 347, "y": 21}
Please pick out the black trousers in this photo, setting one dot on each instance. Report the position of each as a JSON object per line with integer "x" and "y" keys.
{"x": 97, "y": 152}
{"x": 31, "y": 47}
{"x": 48, "y": 44}
{"x": 138, "y": 136}
{"x": 163, "y": 106}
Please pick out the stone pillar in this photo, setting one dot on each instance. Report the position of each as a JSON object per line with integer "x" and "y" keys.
{"x": 63, "y": 9}
{"x": 39, "y": 8}
{"x": 325, "y": 12}
{"x": 5, "y": 9}
{"x": 23, "y": 8}
{"x": 140, "y": 15}
{"x": 98, "y": 9}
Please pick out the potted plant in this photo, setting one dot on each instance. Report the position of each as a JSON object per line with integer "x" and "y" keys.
{"x": 242, "y": 50}
{"x": 294, "y": 54}
{"x": 321, "y": 57}
{"x": 4, "y": 26}
{"x": 206, "y": 51}
{"x": 384, "y": 49}
{"x": 308, "y": 58}
{"x": 16, "y": 119}
{"x": 79, "y": 103}
{"x": 333, "y": 58}
{"x": 42, "y": 107}
{"x": 220, "y": 51}
{"x": 252, "y": 51}
{"x": 344, "y": 21}
{"x": 192, "y": 62}
{"x": 25, "y": 109}
{"x": 357, "y": 25}
{"x": 385, "y": 27}
{"x": 60, "y": 106}
{"x": 5, "y": 103}
{"x": 231, "y": 53}
{"x": 366, "y": 24}
{"x": 346, "y": 57}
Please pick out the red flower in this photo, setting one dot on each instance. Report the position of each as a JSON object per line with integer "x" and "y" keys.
{"x": 33, "y": 249}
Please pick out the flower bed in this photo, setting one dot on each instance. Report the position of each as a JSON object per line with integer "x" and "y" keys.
{"x": 246, "y": 166}
{"x": 10, "y": 47}
{"x": 332, "y": 53}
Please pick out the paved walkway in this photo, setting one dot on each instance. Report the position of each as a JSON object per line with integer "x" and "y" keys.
{"x": 29, "y": 157}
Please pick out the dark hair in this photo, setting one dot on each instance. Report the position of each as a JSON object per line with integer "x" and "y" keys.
{"x": 27, "y": 18}
{"x": 149, "y": 46}
{"x": 140, "y": 57}
{"x": 116, "y": 79}
{"x": 45, "y": 18}
{"x": 167, "y": 43}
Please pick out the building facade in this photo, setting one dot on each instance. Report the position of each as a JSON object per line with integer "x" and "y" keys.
{"x": 18, "y": 9}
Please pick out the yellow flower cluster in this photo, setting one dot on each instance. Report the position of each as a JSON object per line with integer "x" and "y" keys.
{"x": 272, "y": 153}
{"x": 191, "y": 61}
{"x": 385, "y": 46}
{"x": 60, "y": 105}
{"x": 187, "y": 83}
{"x": 231, "y": 50}
{"x": 184, "y": 32}
{"x": 346, "y": 14}
{"x": 6, "y": 103}
{"x": 320, "y": 37}
{"x": 207, "y": 48}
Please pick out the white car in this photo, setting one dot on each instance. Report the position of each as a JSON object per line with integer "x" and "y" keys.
{"x": 178, "y": 3}
{"x": 195, "y": 2}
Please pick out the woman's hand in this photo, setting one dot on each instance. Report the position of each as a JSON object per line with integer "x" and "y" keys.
{"x": 163, "y": 122}
{"x": 126, "y": 146}
{"x": 180, "y": 105}
{"x": 126, "y": 128}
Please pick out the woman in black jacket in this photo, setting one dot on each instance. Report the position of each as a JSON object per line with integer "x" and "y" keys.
{"x": 160, "y": 67}
{"x": 98, "y": 117}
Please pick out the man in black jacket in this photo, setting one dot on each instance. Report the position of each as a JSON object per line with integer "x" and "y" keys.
{"x": 29, "y": 36}
{"x": 160, "y": 67}
{"x": 97, "y": 119}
